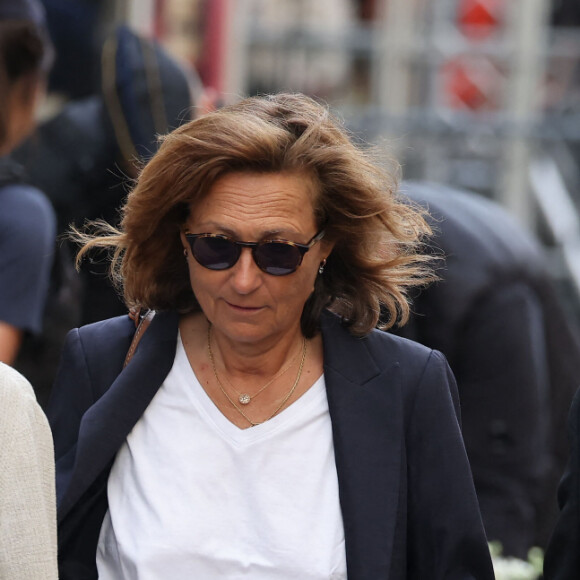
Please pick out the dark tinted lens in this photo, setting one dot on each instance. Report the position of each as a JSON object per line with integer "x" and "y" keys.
{"x": 215, "y": 253}
{"x": 277, "y": 258}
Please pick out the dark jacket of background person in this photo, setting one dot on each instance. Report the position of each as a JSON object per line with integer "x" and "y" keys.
{"x": 562, "y": 559}
{"x": 496, "y": 317}
{"x": 402, "y": 511}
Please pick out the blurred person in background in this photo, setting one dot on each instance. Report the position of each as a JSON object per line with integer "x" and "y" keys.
{"x": 27, "y": 491}
{"x": 82, "y": 159}
{"x": 262, "y": 427}
{"x": 498, "y": 319}
{"x": 27, "y": 222}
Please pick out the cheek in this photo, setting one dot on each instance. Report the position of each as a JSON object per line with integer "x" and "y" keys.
{"x": 202, "y": 281}
{"x": 302, "y": 287}
{"x": 310, "y": 280}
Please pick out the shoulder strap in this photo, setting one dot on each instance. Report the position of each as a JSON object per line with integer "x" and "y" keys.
{"x": 142, "y": 322}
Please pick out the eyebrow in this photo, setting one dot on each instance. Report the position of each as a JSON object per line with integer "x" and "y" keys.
{"x": 264, "y": 235}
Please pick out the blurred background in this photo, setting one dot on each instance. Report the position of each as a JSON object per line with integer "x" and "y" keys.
{"x": 478, "y": 94}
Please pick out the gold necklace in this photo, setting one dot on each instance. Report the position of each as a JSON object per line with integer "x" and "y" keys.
{"x": 238, "y": 409}
{"x": 246, "y": 398}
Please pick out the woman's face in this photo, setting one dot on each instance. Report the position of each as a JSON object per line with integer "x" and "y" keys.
{"x": 243, "y": 302}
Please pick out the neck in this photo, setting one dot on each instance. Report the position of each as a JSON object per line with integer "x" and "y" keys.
{"x": 264, "y": 359}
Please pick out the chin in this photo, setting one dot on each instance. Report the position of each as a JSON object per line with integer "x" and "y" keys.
{"x": 239, "y": 330}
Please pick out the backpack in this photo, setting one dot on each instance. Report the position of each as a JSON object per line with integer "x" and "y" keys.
{"x": 39, "y": 356}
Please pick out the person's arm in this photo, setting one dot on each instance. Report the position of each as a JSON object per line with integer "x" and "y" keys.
{"x": 446, "y": 536}
{"x": 27, "y": 238}
{"x": 10, "y": 341}
{"x": 562, "y": 559}
{"x": 27, "y": 496}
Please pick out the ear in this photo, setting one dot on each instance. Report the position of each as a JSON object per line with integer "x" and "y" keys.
{"x": 327, "y": 248}
{"x": 184, "y": 241}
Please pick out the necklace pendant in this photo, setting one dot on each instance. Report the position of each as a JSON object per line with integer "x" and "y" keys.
{"x": 244, "y": 398}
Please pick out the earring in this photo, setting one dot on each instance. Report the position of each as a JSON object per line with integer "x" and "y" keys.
{"x": 322, "y": 264}
{"x": 185, "y": 252}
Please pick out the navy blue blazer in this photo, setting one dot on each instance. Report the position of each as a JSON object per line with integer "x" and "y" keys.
{"x": 406, "y": 491}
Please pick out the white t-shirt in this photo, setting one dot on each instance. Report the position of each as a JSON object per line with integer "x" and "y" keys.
{"x": 193, "y": 496}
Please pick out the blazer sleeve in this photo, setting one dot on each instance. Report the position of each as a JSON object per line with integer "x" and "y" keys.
{"x": 71, "y": 396}
{"x": 446, "y": 535}
{"x": 562, "y": 559}
{"x": 92, "y": 358}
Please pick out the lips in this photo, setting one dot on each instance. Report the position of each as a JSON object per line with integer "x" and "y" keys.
{"x": 241, "y": 308}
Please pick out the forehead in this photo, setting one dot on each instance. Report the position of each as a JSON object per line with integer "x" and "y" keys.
{"x": 284, "y": 200}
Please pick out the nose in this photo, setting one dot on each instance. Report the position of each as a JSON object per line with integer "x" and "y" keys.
{"x": 246, "y": 276}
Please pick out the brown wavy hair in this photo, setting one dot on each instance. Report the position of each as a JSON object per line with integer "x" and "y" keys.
{"x": 377, "y": 236}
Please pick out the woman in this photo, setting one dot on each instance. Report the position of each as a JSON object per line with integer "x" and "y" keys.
{"x": 27, "y": 498}
{"x": 262, "y": 428}
{"x": 27, "y": 222}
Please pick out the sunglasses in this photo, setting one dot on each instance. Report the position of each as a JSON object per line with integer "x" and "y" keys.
{"x": 275, "y": 257}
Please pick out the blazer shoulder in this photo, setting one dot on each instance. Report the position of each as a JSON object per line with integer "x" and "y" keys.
{"x": 104, "y": 344}
{"x": 102, "y": 340}
{"x": 377, "y": 341}
{"x": 109, "y": 328}
{"x": 410, "y": 357}
{"x": 93, "y": 356}
{"x": 416, "y": 364}
{"x": 378, "y": 354}
{"x": 381, "y": 340}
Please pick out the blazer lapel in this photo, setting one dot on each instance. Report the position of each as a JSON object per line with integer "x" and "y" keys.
{"x": 107, "y": 423}
{"x": 367, "y": 416}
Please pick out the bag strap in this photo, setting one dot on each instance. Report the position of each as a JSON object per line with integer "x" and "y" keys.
{"x": 142, "y": 322}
